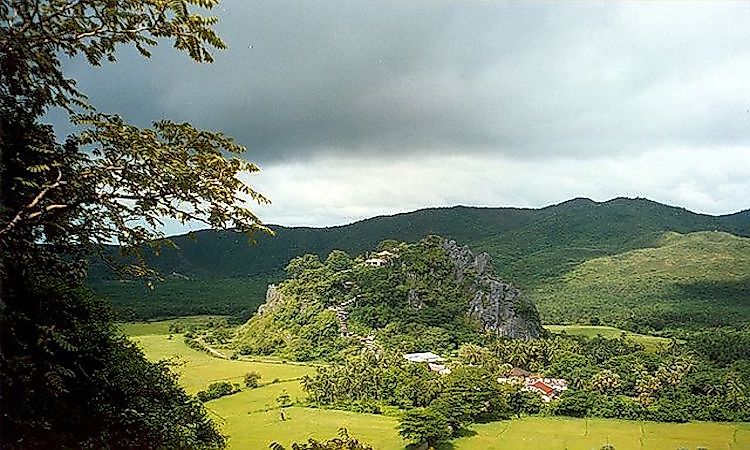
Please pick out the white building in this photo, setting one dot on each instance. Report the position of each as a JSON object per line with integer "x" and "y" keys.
{"x": 376, "y": 262}
{"x": 423, "y": 357}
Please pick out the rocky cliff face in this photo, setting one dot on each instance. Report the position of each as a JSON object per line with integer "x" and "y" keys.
{"x": 498, "y": 306}
{"x": 273, "y": 297}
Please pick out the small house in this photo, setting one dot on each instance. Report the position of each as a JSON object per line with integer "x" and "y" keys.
{"x": 439, "y": 368}
{"x": 518, "y": 372}
{"x": 545, "y": 390}
{"x": 376, "y": 262}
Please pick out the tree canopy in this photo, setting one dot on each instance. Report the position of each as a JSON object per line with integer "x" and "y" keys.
{"x": 66, "y": 377}
{"x": 110, "y": 181}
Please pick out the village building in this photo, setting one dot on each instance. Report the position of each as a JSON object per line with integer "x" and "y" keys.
{"x": 376, "y": 262}
{"x": 423, "y": 357}
{"x": 433, "y": 361}
{"x": 380, "y": 259}
{"x": 547, "y": 388}
{"x": 439, "y": 368}
{"x": 540, "y": 387}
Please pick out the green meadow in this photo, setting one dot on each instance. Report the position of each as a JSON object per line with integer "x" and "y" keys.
{"x": 252, "y": 419}
{"x": 151, "y": 327}
{"x": 690, "y": 281}
{"x": 555, "y": 433}
{"x": 648, "y": 342}
{"x": 197, "y": 369}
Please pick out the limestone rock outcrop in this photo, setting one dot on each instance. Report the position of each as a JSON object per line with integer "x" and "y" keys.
{"x": 498, "y": 306}
{"x": 273, "y": 297}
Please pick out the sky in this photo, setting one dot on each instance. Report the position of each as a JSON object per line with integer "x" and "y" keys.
{"x": 354, "y": 109}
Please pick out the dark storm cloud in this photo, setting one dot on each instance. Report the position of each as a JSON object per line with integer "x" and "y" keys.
{"x": 361, "y": 108}
{"x": 519, "y": 79}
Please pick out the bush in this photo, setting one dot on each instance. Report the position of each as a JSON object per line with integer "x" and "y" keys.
{"x": 284, "y": 400}
{"x": 252, "y": 379}
{"x": 216, "y": 390}
{"x": 575, "y": 403}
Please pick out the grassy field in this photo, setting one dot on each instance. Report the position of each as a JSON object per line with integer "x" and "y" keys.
{"x": 250, "y": 427}
{"x": 197, "y": 369}
{"x": 252, "y": 420}
{"x": 649, "y": 342}
{"x": 551, "y": 433}
{"x": 162, "y": 326}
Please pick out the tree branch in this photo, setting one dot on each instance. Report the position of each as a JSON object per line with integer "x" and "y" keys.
{"x": 35, "y": 201}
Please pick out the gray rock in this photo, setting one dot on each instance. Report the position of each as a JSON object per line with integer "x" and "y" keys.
{"x": 497, "y": 306}
{"x": 273, "y": 297}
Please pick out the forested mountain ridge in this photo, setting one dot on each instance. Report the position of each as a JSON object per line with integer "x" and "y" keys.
{"x": 221, "y": 273}
{"x": 527, "y": 245}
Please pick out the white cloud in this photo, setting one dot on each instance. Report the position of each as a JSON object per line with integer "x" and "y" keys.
{"x": 336, "y": 190}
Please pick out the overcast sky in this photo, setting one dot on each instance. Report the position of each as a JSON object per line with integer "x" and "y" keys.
{"x": 354, "y": 109}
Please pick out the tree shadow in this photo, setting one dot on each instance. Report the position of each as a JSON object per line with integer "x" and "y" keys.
{"x": 446, "y": 446}
{"x": 726, "y": 293}
{"x": 465, "y": 432}
{"x": 442, "y": 446}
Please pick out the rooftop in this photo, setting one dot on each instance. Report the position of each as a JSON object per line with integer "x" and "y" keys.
{"x": 423, "y": 357}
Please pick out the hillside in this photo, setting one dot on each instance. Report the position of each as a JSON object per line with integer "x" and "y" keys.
{"x": 529, "y": 247}
{"x": 429, "y": 295}
{"x": 692, "y": 280}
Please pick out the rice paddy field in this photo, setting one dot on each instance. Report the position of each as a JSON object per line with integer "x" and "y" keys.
{"x": 252, "y": 419}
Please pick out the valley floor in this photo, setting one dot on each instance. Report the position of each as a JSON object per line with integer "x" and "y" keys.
{"x": 252, "y": 420}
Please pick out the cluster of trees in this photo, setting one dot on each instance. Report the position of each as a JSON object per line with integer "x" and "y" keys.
{"x": 369, "y": 383}
{"x": 469, "y": 395}
{"x": 617, "y": 378}
{"x": 67, "y": 377}
{"x": 252, "y": 379}
{"x": 438, "y": 407}
{"x": 217, "y": 390}
{"x": 676, "y": 312}
{"x": 132, "y": 300}
{"x": 70, "y": 380}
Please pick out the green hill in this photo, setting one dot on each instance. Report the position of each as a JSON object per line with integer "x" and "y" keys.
{"x": 693, "y": 280}
{"x": 529, "y": 247}
{"x": 433, "y": 294}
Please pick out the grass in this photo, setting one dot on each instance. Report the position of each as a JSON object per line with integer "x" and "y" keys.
{"x": 252, "y": 420}
{"x": 552, "y": 433}
{"x": 197, "y": 369}
{"x": 258, "y": 429}
{"x": 651, "y": 343}
{"x": 162, "y": 326}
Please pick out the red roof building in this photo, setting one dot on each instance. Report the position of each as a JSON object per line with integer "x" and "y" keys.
{"x": 544, "y": 387}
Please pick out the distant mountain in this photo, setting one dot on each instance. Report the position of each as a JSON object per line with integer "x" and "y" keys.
{"x": 528, "y": 246}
